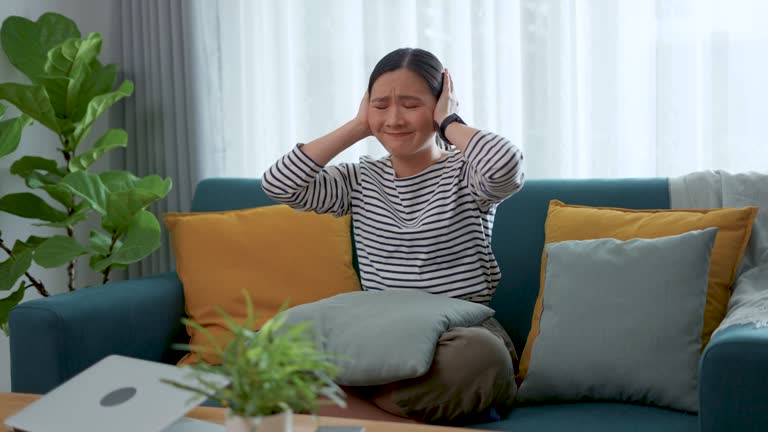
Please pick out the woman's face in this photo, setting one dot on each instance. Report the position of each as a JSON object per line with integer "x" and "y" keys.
{"x": 401, "y": 112}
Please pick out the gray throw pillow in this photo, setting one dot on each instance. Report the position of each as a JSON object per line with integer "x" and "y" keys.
{"x": 384, "y": 336}
{"x": 622, "y": 320}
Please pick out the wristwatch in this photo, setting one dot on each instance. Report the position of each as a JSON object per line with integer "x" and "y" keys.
{"x": 446, "y": 121}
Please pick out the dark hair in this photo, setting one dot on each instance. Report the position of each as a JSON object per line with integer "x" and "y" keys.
{"x": 422, "y": 62}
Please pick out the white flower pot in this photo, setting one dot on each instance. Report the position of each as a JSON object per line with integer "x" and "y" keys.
{"x": 282, "y": 422}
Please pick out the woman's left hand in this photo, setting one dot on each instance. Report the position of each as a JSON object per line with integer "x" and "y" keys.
{"x": 447, "y": 103}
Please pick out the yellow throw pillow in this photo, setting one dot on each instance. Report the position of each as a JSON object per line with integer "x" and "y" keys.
{"x": 574, "y": 222}
{"x": 276, "y": 253}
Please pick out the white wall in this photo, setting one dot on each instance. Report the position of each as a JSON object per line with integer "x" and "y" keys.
{"x": 90, "y": 16}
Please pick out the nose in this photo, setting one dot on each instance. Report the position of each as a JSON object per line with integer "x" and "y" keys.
{"x": 395, "y": 116}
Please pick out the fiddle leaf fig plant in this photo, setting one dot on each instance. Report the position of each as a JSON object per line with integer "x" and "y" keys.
{"x": 69, "y": 89}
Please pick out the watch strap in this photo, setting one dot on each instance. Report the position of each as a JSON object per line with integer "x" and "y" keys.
{"x": 447, "y": 121}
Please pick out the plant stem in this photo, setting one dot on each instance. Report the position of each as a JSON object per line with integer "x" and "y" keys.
{"x": 109, "y": 267}
{"x": 106, "y": 275}
{"x": 71, "y": 266}
{"x": 70, "y": 230}
{"x": 64, "y": 150}
{"x": 36, "y": 283}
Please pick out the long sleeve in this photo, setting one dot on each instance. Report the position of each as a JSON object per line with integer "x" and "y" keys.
{"x": 494, "y": 168}
{"x": 298, "y": 181}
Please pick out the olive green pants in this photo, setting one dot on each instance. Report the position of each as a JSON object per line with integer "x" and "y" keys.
{"x": 473, "y": 371}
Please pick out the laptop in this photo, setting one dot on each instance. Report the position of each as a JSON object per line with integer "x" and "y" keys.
{"x": 117, "y": 394}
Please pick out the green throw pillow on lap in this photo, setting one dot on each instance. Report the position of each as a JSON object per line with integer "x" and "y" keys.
{"x": 381, "y": 337}
{"x": 622, "y": 320}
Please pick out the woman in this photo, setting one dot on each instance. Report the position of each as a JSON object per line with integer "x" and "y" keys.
{"x": 422, "y": 218}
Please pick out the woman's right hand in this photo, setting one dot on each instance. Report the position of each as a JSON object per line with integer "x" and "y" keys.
{"x": 361, "y": 119}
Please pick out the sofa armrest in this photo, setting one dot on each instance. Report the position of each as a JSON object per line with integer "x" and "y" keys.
{"x": 733, "y": 375}
{"x": 54, "y": 338}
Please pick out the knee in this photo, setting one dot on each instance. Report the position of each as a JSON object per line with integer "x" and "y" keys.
{"x": 471, "y": 372}
{"x": 471, "y": 357}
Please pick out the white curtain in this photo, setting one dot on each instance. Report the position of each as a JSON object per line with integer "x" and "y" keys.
{"x": 644, "y": 88}
{"x": 588, "y": 88}
{"x": 288, "y": 71}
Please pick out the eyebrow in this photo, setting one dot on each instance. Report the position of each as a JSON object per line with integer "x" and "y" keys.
{"x": 404, "y": 97}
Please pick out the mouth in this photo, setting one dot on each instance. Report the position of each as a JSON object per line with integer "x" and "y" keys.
{"x": 398, "y": 134}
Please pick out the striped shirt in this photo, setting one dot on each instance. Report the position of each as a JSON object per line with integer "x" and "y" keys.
{"x": 430, "y": 231}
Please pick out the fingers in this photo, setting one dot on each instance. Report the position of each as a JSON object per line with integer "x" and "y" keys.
{"x": 446, "y": 103}
{"x": 362, "y": 111}
{"x": 447, "y": 81}
{"x": 446, "y": 85}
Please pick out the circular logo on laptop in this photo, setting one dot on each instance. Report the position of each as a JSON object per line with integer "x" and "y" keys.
{"x": 116, "y": 397}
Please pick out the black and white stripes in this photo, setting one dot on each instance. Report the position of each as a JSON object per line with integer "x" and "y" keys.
{"x": 430, "y": 231}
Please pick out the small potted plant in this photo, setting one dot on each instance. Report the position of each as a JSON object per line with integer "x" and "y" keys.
{"x": 271, "y": 373}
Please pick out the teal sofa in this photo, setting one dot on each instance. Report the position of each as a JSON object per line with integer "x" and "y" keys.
{"x": 54, "y": 338}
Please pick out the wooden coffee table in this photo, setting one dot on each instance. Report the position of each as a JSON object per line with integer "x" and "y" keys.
{"x": 10, "y": 403}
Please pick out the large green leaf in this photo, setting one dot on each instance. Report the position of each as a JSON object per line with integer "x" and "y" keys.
{"x": 99, "y": 263}
{"x": 66, "y": 129}
{"x": 56, "y": 88}
{"x": 26, "y": 43}
{"x": 30, "y": 206}
{"x": 8, "y": 303}
{"x": 99, "y": 242}
{"x": 32, "y": 242}
{"x": 43, "y": 173}
{"x": 141, "y": 239}
{"x": 50, "y": 184}
{"x": 29, "y": 164}
{"x": 113, "y": 138}
{"x": 89, "y": 187}
{"x": 123, "y": 206}
{"x": 98, "y": 106}
{"x": 3, "y": 108}
{"x": 10, "y": 133}
{"x": 32, "y": 101}
{"x": 118, "y": 181}
{"x": 129, "y": 195}
{"x": 13, "y": 268}
{"x": 57, "y": 251}
{"x": 71, "y": 220}
{"x": 72, "y": 59}
{"x": 37, "y": 180}
{"x": 155, "y": 184}
{"x": 100, "y": 81}
{"x": 59, "y": 193}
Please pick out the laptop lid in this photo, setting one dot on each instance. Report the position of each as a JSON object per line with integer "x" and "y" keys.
{"x": 118, "y": 394}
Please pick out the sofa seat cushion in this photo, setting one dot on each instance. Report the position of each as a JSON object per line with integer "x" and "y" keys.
{"x": 594, "y": 417}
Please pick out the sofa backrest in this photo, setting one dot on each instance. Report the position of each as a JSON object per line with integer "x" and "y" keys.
{"x": 518, "y": 233}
